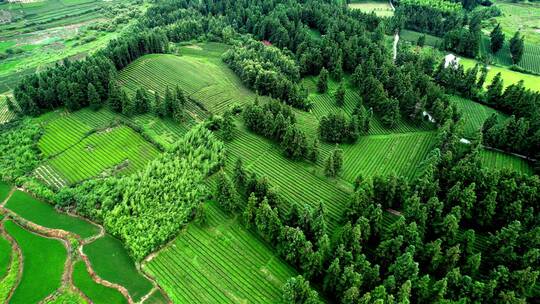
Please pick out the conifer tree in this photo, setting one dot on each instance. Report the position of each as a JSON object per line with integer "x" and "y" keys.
{"x": 115, "y": 98}
{"x": 128, "y": 106}
{"x": 340, "y": 95}
{"x": 93, "y": 97}
{"x": 329, "y": 166}
{"x": 497, "y": 39}
{"x": 225, "y": 193}
{"x": 168, "y": 103}
{"x": 322, "y": 83}
{"x": 250, "y": 211}
{"x": 227, "y": 126}
{"x": 516, "y": 47}
{"x": 494, "y": 89}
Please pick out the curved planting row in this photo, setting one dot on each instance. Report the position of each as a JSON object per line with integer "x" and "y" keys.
{"x": 384, "y": 154}
{"x": 474, "y": 114}
{"x": 104, "y": 150}
{"x": 219, "y": 263}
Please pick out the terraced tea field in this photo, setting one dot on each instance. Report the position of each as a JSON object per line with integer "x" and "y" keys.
{"x": 474, "y": 114}
{"x": 5, "y": 114}
{"x": 385, "y": 154}
{"x": 499, "y": 160}
{"x": 97, "y": 292}
{"x": 206, "y": 79}
{"x": 221, "y": 262}
{"x": 91, "y": 146}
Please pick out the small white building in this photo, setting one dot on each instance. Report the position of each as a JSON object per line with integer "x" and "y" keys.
{"x": 451, "y": 60}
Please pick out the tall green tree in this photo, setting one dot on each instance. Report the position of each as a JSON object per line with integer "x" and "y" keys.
{"x": 496, "y": 39}
{"x": 227, "y": 126}
{"x": 322, "y": 83}
{"x": 494, "y": 89}
{"x": 340, "y": 95}
{"x": 115, "y": 97}
{"x": 93, "y": 97}
{"x": 225, "y": 192}
{"x": 516, "y": 47}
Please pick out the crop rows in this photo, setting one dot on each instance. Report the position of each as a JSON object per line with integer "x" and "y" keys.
{"x": 222, "y": 263}
{"x": 500, "y": 160}
{"x": 474, "y": 114}
{"x": 530, "y": 60}
{"x": 381, "y": 155}
{"x": 62, "y": 133}
{"x": 5, "y": 114}
{"x": 209, "y": 83}
{"x": 101, "y": 151}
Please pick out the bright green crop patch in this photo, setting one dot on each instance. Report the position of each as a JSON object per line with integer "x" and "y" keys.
{"x": 43, "y": 265}
{"x": 4, "y": 191}
{"x": 384, "y": 154}
{"x": 111, "y": 262}
{"x": 381, "y": 8}
{"x": 98, "y": 293}
{"x": 220, "y": 263}
{"x": 503, "y": 161}
{"x": 509, "y": 77}
{"x": 68, "y": 297}
{"x": 119, "y": 148}
{"x": 45, "y": 215}
{"x": 474, "y": 114}
{"x": 297, "y": 181}
{"x": 199, "y": 71}
{"x": 5, "y": 256}
{"x": 10, "y": 279}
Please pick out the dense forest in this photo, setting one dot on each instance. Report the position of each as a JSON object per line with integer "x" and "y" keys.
{"x": 430, "y": 252}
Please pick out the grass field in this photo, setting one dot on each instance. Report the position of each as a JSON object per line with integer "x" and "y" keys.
{"x": 5, "y": 257}
{"x": 474, "y": 114}
{"x": 220, "y": 263}
{"x": 198, "y": 70}
{"x": 509, "y": 77}
{"x": 43, "y": 265}
{"x": 499, "y": 160}
{"x": 111, "y": 262}
{"x": 380, "y": 7}
{"x": 45, "y": 215}
{"x": 384, "y": 154}
{"x": 68, "y": 297}
{"x": 412, "y": 37}
{"x": 98, "y": 293}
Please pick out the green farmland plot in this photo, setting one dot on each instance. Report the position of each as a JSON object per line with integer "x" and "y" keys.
{"x": 412, "y": 37}
{"x": 380, "y": 7}
{"x": 5, "y": 114}
{"x": 5, "y": 257}
{"x": 504, "y": 161}
{"x": 98, "y": 293}
{"x": 43, "y": 265}
{"x": 384, "y": 154}
{"x": 220, "y": 263}
{"x": 4, "y": 190}
{"x": 45, "y": 215}
{"x": 119, "y": 147}
{"x": 111, "y": 262}
{"x": 509, "y": 77}
{"x": 157, "y": 297}
{"x": 8, "y": 281}
{"x": 297, "y": 181}
{"x": 199, "y": 72}
{"x": 474, "y": 114}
